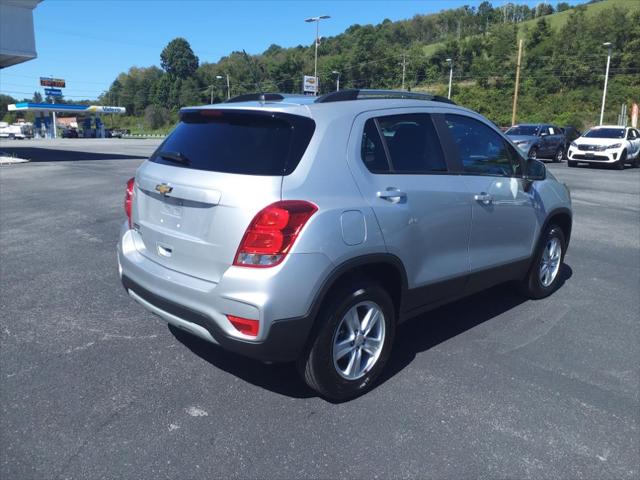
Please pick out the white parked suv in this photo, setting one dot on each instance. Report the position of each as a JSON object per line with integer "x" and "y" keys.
{"x": 608, "y": 144}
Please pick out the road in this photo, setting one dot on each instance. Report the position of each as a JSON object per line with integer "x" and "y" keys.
{"x": 92, "y": 386}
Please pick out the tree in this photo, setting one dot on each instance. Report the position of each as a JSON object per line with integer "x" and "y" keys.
{"x": 562, "y": 6}
{"x": 178, "y": 60}
{"x": 155, "y": 116}
{"x": 190, "y": 93}
{"x": 37, "y": 97}
{"x": 4, "y": 101}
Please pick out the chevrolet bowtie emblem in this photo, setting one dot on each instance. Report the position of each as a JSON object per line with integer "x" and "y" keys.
{"x": 163, "y": 188}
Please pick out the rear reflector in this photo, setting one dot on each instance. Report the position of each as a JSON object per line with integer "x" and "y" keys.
{"x": 272, "y": 233}
{"x": 245, "y": 325}
{"x": 128, "y": 198}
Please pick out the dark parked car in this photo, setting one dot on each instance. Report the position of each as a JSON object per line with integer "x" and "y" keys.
{"x": 539, "y": 140}
{"x": 570, "y": 134}
{"x": 70, "y": 133}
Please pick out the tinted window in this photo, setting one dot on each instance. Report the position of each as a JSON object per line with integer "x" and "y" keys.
{"x": 413, "y": 143}
{"x": 237, "y": 142}
{"x": 372, "y": 150}
{"x": 480, "y": 149}
{"x": 605, "y": 133}
{"x": 523, "y": 130}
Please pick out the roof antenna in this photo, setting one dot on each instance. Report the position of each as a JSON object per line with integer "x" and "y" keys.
{"x": 256, "y": 78}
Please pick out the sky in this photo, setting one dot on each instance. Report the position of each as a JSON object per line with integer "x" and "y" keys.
{"x": 88, "y": 43}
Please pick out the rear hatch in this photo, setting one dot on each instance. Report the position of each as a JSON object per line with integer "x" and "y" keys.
{"x": 199, "y": 191}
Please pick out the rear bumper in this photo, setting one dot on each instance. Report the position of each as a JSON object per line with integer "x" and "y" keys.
{"x": 284, "y": 342}
{"x": 279, "y": 298}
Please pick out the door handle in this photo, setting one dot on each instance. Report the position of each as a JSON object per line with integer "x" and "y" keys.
{"x": 392, "y": 195}
{"x": 484, "y": 198}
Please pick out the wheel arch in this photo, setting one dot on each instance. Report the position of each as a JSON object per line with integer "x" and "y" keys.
{"x": 384, "y": 268}
{"x": 561, "y": 217}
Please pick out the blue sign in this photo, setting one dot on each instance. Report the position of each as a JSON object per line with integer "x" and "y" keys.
{"x": 53, "y": 92}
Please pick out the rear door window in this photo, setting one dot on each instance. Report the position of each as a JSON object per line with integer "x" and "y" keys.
{"x": 372, "y": 150}
{"x": 241, "y": 142}
{"x": 402, "y": 144}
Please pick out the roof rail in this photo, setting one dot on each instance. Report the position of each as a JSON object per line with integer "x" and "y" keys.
{"x": 267, "y": 97}
{"x": 357, "y": 94}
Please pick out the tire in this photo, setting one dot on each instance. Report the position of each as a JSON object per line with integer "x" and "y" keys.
{"x": 559, "y": 155}
{"x": 572, "y": 163}
{"x": 328, "y": 376}
{"x": 533, "y": 153}
{"x": 536, "y": 285}
{"x": 623, "y": 159}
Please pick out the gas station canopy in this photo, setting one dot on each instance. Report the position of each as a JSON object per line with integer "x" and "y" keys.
{"x": 45, "y": 121}
{"x": 63, "y": 108}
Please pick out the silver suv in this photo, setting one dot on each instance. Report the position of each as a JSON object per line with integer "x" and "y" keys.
{"x": 290, "y": 228}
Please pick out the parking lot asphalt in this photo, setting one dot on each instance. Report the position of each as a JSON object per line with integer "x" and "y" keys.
{"x": 92, "y": 386}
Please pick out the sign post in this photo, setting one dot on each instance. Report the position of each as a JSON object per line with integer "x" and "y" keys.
{"x": 57, "y": 84}
{"x": 310, "y": 85}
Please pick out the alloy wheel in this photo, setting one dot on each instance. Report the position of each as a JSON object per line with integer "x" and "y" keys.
{"x": 550, "y": 262}
{"x": 359, "y": 340}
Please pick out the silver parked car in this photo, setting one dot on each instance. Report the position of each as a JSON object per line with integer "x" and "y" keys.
{"x": 291, "y": 228}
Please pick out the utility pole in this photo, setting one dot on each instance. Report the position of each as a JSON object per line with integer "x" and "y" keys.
{"x": 404, "y": 68}
{"x": 315, "y": 63}
{"x": 606, "y": 78}
{"x": 450, "y": 62}
{"x": 515, "y": 93}
{"x": 53, "y": 113}
{"x": 335, "y": 72}
{"x": 220, "y": 77}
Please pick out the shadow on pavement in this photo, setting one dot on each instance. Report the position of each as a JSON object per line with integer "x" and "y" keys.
{"x": 281, "y": 378}
{"x": 437, "y": 326}
{"x": 56, "y": 155}
{"x": 412, "y": 337}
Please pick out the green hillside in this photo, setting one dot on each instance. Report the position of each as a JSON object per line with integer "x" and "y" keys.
{"x": 559, "y": 19}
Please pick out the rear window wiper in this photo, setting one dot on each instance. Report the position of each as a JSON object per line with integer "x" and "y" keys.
{"x": 174, "y": 157}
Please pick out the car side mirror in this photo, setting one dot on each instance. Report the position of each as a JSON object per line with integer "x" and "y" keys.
{"x": 535, "y": 170}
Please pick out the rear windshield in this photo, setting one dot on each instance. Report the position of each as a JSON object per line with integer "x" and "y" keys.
{"x": 523, "y": 130}
{"x": 243, "y": 142}
{"x": 605, "y": 133}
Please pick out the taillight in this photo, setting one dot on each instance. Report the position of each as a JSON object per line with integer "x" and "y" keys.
{"x": 272, "y": 233}
{"x": 245, "y": 325}
{"x": 128, "y": 198}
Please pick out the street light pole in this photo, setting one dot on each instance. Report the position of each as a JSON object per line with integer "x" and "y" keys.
{"x": 220, "y": 77}
{"x": 335, "y": 72}
{"x": 315, "y": 63}
{"x": 606, "y": 78}
{"x": 450, "y": 62}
